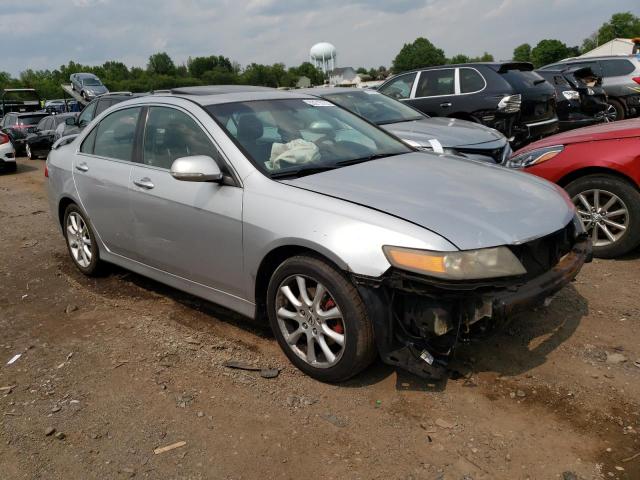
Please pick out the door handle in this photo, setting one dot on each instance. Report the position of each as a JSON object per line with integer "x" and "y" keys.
{"x": 83, "y": 167}
{"x": 445, "y": 104}
{"x": 145, "y": 183}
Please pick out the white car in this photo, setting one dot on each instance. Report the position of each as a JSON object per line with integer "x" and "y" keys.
{"x": 7, "y": 154}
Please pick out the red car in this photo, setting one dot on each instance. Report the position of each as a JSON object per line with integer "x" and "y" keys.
{"x": 599, "y": 167}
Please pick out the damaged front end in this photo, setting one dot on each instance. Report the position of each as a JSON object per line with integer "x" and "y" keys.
{"x": 418, "y": 320}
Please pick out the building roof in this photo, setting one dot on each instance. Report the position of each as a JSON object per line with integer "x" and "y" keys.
{"x": 617, "y": 46}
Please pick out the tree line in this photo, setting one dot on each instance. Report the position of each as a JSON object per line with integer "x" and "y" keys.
{"x": 423, "y": 53}
{"x": 161, "y": 71}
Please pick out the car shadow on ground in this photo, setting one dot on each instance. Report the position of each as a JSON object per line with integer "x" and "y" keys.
{"x": 519, "y": 347}
{"x": 522, "y": 345}
{"x": 22, "y": 168}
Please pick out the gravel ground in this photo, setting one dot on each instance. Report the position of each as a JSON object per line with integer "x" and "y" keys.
{"x": 113, "y": 368}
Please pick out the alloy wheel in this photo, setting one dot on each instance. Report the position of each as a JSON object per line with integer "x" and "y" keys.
{"x": 610, "y": 114}
{"x": 79, "y": 239}
{"x": 311, "y": 321}
{"x": 603, "y": 214}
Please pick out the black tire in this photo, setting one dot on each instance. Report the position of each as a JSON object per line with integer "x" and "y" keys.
{"x": 10, "y": 167}
{"x": 29, "y": 153}
{"x": 631, "y": 198}
{"x": 96, "y": 266}
{"x": 359, "y": 348}
{"x": 620, "y": 112}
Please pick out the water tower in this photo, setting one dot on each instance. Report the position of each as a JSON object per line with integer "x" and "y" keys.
{"x": 323, "y": 56}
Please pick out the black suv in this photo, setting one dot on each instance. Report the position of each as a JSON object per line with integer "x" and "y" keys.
{"x": 18, "y": 125}
{"x": 620, "y": 79}
{"x": 509, "y": 97}
{"x": 580, "y": 97}
{"x": 74, "y": 125}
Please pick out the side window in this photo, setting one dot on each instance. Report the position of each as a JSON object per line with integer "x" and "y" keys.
{"x": 171, "y": 134}
{"x": 471, "y": 81}
{"x": 43, "y": 124}
{"x": 88, "y": 142}
{"x": 87, "y": 114}
{"x": 594, "y": 66}
{"x": 400, "y": 88}
{"x": 436, "y": 82}
{"x": 616, "y": 68}
{"x": 102, "y": 105}
{"x": 115, "y": 134}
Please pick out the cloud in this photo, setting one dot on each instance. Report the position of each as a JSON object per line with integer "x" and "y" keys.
{"x": 48, "y": 33}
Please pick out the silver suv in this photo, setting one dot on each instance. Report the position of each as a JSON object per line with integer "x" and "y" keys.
{"x": 286, "y": 206}
{"x": 620, "y": 80}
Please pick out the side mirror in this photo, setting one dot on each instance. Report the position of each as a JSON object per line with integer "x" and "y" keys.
{"x": 70, "y": 121}
{"x": 197, "y": 168}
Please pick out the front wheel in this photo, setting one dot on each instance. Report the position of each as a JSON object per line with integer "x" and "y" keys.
{"x": 81, "y": 242}
{"x": 319, "y": 319}
{"x": 609, "y": 208}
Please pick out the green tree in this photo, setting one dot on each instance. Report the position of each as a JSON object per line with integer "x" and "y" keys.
{"x": 420, "y": 53}
{"x": 485, "y": 57}
{"x": 522, "y": 53}
{"x": 460, "y": 58}
{"x": 548, "y": 51}
{"x": 620, "y": 25}
{"x": 161, "y": 64}
{"x": 308, "y": 70}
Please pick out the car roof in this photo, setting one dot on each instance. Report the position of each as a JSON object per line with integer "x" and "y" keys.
{"x": 83, "y": 74}
{"x": 29, "y": 114}
{"x": 320, "y": 91}
{"x": 232, "y": 93}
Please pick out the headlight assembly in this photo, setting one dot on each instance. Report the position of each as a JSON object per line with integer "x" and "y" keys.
{"x": 534, "y": 157}
{"x": 465, "y": 265}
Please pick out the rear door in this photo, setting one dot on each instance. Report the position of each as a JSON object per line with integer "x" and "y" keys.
{"x": 435, "y": 92}
{"x": 101, "y": 171}
{"x": 189, "y": 229}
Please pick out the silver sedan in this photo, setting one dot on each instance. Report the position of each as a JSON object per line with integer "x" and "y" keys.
{"x": 286, "y": 207}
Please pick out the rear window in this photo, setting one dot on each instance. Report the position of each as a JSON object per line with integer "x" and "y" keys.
{"x": 519, "y": 79}
{"x": 470, "y": 80}
{"x": 30, "y": 119}
{"x": 616, "y": 68}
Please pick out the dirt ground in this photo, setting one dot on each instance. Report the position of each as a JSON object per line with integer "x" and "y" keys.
{"x": 122, "y": 365}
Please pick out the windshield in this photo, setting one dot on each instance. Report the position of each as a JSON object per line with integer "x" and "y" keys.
{"x": 374, "y": 106}
{"x": 20, "y": 96}
{"x": 91, "y": 82}
{"x": 302, "y": 136}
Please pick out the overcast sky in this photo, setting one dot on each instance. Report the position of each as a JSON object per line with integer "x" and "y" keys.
{"x": 43, "y": 34}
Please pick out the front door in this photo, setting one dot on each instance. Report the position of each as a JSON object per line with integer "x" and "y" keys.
{"x": 189, "y": 229}
{"x": 101, "y": 171}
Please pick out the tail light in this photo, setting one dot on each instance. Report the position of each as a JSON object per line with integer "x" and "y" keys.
{"x": 4, "y": 138}
{"x": 46, "y": 170}
{"x": 636, "y": 79}
{"x": 510, "y": 103}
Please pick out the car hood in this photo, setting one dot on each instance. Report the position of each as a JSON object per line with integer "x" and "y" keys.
{"x": 450, "y": 132}
{"x": 604, "y": 131}
{"x": 471, "y": 204}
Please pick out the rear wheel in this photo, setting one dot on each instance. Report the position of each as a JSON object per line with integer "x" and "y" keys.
{"x": 614, "y": 111}
{"x": 81, "y": 242}
{"x": 609, "y": 208}
{"x": 30, "y": 154}
{"x": 319, "y": 319}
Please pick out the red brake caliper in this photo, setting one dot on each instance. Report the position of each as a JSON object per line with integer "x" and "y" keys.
{"x": 336, "y": 325}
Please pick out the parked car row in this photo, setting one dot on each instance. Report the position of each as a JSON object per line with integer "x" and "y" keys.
{"x": 522, "y": 103}
{"x": 283, "y": 205}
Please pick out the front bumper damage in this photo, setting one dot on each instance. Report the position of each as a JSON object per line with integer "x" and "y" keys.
{"x": 419, "y": 321}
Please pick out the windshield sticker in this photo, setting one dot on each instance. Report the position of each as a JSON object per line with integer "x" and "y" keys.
{"x": 319, "y": 103}
{"x": 371, "y": 92}
{"x": 436, "y": 145}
